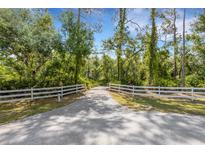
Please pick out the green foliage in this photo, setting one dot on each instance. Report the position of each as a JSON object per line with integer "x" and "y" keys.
{"x": 198, "y": 56}
{"x": 28, "y": 39}
{"x": 192, "y": 80}
{"x": 152, "y": 51}
{"x": 89, "y": 83}
{"x": 79, "y": 39}
{"x": 167, "y": 82}
{"x": 107, "y": 67}
{"x": 119, "y": 41}
{"x": 34, "y": 54}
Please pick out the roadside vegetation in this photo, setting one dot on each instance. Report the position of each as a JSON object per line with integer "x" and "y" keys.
{"x": 33, "y": 49}
{"x": 139, "y": 103}
{"x": 13, "y": 111}
{"x": 39, "y": 48}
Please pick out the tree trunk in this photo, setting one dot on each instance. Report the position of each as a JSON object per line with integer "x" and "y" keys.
{"x": 152, "y": 48}
{"x": 118, "y": 67}
{"x": 77, "y": 66}
{"x": 175, "y": 46}
{"x": 122, "y": 18}
{"x": 183, "y": 52}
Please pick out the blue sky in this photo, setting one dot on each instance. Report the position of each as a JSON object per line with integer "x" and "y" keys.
{"x": 104, "y": 16}
{"x": 141, "y": 16}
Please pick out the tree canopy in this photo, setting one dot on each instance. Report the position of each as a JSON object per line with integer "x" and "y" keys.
{"x": 33, "y": 53}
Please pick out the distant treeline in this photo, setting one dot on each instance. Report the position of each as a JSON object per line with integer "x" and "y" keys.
{"x": 33, "y": 53}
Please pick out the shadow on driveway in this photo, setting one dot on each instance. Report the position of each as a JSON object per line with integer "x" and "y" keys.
{"x": 97, "y": 119}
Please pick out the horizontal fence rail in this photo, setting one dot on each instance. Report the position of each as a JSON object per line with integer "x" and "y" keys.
{"x": 169, "y": 92}
{"x": 39, "y": 93}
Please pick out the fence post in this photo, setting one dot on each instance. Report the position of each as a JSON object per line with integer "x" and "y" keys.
{"x": 192, "y": 93}
{"x": 59, "y": 97}
{"x": 62, "y": 91}
{"x": 133, "y": 88}
{"x": 119, "y": 88}
{"x": 31, "y": 93}
{"x": 76, "y": 88}
{"x": 159, "y": 91}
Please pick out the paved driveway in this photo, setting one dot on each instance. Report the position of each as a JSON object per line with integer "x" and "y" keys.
{"x": 98, "y": 119}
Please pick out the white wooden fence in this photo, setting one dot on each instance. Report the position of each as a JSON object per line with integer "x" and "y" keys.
{"x": 39, "y": 93}
{"x": 169, "y": 92}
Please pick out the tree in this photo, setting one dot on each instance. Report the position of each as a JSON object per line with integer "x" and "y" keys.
{"x": 97, "y": 68}
{"x": 183, "y": 53}
{"x": 79, "y": 39}
{"x": 175, "y": 43}
{"x": 118, "y": 41}
{"x": 34, "y": 54}
{"x": 107, "y": 68}
{"x": 198, "y": 46}
{"x": 152, "y": 50}
{"x": 27, "y": 41}
{"x": 169, "y": 17}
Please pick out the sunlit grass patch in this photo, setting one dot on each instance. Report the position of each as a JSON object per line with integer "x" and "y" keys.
{"x": 139, "y": 103}
{"x": 14, "y": 111}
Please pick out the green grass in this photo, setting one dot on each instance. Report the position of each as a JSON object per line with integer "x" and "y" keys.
{"x": 163, "y": 105}
{"x": 13, "y": 111}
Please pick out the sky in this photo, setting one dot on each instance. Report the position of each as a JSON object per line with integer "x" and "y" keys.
{"x": 107, "y": 18}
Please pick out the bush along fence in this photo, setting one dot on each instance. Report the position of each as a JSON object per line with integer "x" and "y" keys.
{"x": 39, "y": 93}
{"x": 168, "y": 92}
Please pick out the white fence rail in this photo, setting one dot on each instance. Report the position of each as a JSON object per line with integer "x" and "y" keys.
{"x": 39, "y": 93}
{"x": 169, "y": 92}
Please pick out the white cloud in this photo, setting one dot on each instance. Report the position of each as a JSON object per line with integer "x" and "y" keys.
{"x": 139, "y": 16}
{"x": 142, "y": 17}
{"x": 188, "y": 22}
